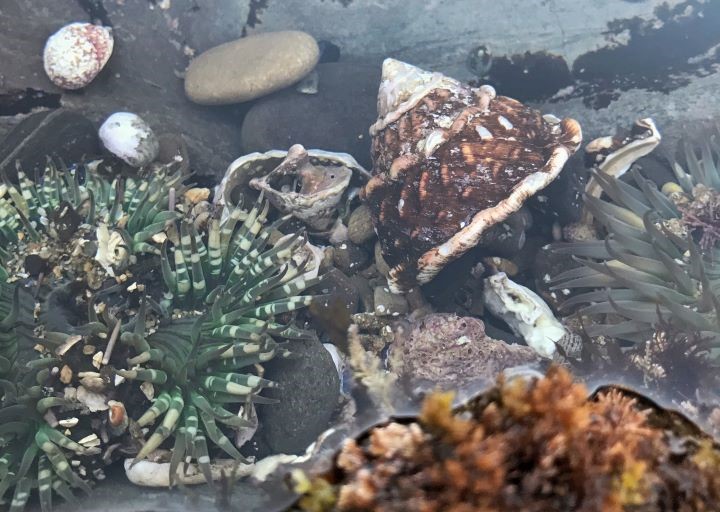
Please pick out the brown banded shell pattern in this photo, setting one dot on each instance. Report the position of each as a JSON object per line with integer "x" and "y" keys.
{"x": 448, "y": 163}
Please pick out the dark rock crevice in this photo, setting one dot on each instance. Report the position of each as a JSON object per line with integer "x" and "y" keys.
{"x": 661, "y": 55}
{"x": 25, "y": 101}
{"x": 96, "y": 11}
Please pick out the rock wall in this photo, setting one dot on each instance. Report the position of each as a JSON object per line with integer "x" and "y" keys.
{"x": 604, "y": 63}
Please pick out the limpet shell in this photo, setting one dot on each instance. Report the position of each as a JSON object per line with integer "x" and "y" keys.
{"x": 129, "y": 137}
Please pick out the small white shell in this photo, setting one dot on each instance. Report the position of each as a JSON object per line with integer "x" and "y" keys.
{"x": 75, "y": 54}
{"x": 157, "y": 474}
{"x": 525, "y": 312}
{"x": 130, "y": 138}
{"x": 68, "y": 422}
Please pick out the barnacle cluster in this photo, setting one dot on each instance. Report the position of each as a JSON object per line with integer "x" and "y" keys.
{"x": 526, "y": 445}
{"x": 126, "y": 320}
{"x": 659, "y": 257}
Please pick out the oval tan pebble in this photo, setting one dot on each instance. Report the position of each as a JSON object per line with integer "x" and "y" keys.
{"x": 250, "y": 67}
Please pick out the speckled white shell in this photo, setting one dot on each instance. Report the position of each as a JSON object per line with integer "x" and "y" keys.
{"x": 130, "y": 138}
{"x": 525, "y": 312}
{"x": 75, "y": 54}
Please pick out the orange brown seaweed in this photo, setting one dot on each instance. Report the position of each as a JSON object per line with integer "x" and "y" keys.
{"x": 529, "y": 446}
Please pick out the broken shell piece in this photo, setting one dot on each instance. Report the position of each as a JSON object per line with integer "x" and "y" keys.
{"x": 66, "y": 374}
{"x": 93, "y": 401}
{"x": 524, "y": 312}
{"x": 97, "y": 359}
{"x": 613, "y": 156}
{"x": 306, "y": 183}
{"x": 307, "y": 191}
{"x": 450, "y": 161}
{"x": 117, "y": 417}
{"x": 112, "y": 250}
{"x": 90, "y": 441}
{"x": 148, "y": 390}
{"x": 197, "y": 194}
{"x": 68, "y": 422}
{"x": 69, "y": 343}
{"x": 93, "y": 383}
{"x": 157, "y": 474}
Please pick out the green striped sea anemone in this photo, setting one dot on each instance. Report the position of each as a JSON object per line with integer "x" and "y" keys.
{"x": 81, "y": 212}
{"x": 56, "y": 218}
{"x": 227, "y": 292}
{"x": 134, "y": 289}
{"x": 33, "y": 454}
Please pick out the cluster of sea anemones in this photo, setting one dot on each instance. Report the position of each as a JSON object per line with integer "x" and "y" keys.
{"x": 148, "y": 323}
{"x": 653, "y": 277}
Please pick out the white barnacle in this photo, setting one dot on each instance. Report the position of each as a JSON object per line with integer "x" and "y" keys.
{"x": 483, "y": 132}
{"x": 505, "y": 123}
{"x": 445, "y": 249}
{"x": 444, "y": 121}
{"x": 433, "y": 141}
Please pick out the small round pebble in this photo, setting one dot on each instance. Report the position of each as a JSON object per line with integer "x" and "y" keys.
{"x": 360, "y": 226}
{"x": 387, "y": 303}
{"x": 349, "y": 258}
{"x": 250, "y": 67}
{"x": 75, "y": 54}
{"x": 380, "y": 263}
{"x": 130, "y": 138}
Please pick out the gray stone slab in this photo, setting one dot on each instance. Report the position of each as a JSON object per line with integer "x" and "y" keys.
{"x": 144, "y": 74}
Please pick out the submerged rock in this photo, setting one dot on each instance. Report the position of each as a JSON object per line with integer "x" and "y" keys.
{"x": 329, "y": 52}
{"x": 341, "y": 292}
{"x": 387, "y": 303}
{"x": 454, "y": 352}
{"x": 349, "y": 258}
{"x": 63, "y": 134}
{"x": 360, "y": 228}
{"x": 308, "y": 390}
{"x": 250, "y": 67}
{"x": 336, "y": 118}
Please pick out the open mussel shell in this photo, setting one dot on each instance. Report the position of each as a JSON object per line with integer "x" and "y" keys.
{"x": 257, "y": 166}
